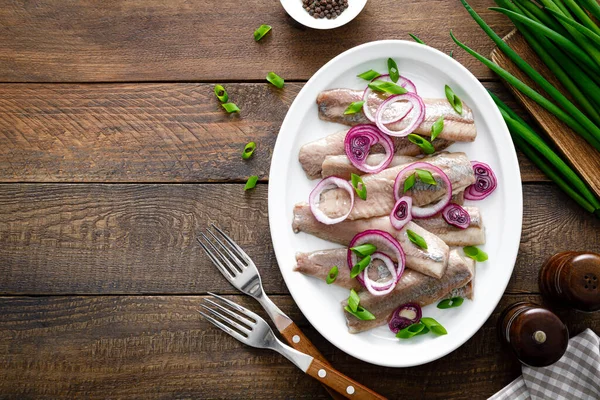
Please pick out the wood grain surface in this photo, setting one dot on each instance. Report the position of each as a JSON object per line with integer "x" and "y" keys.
{"x": 146, "y": 132}
{"x": 207, "y": 40}
{"x": 578, "y": 152}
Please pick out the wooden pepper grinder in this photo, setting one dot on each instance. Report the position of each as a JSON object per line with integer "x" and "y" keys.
{"x": 572, "y": 279}
{"x": 536, "y": 335}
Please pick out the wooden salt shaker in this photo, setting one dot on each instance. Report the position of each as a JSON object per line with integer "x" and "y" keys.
{"x": 536, "y": 335}
{"x": 572, "y": 279}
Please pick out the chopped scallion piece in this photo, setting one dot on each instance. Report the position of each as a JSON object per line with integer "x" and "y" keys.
{"x": 369, "y": 75}
{"x": 221, "y": 94}
{"x": 475, "y": 253}
{"x": 412, "y": 330}
{"x": 361, "y": 313}
{"x": 364, "y": 249}
{"x": 454, "y": 100}
{"x": 248, "y": 150}
{"x": 393, "y": 70}
{"x": 353, "y": 300}
{"x": 251, "y": 182}
{"x": 434, "y": 326}
{"x": 425, "y": 176}
{"x": 410, "y": 182}
{"x": 387, "y": 87}
{"x": 424, "y": 144}
{"x": 230, "y": 107}
{"x": 450, "y": 303}
{"x": 332, "y": 275}
{"x": 437, "y": 128}
{"x": 360, "y": 267}
{"x": 261, "y": 31}
{"x": 416, "y": 239}
{"x": 276, "y": 80}
{"x": 359, "y": 186}
{"x": 354, "y": 107}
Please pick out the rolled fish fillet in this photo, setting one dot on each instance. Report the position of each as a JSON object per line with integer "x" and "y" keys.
{"x": 312, "y": 155}
{"x": 457, "y": 127}
{"x": 412, "y": 288}
{"x": 380, "y": 187}
{"x": 343, "y": 232}
{"x": 432, "y": 262}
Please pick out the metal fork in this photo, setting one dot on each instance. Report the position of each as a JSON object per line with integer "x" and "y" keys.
{"x": 239, "y": 269}
{"x": 251, "y": 329}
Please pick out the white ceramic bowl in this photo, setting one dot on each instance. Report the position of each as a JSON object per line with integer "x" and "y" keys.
{"x": 295, "y": 10}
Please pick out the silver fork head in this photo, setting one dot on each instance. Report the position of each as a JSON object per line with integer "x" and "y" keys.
{"x": 233, "y": 262}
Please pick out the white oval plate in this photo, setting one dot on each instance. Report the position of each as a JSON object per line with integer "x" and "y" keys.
{"x": 430, "y": 70}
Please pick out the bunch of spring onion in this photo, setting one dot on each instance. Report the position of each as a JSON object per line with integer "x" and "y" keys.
{"x": 566, "y": 36}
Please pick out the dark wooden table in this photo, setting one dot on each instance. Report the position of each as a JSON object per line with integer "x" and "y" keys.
{"x": 114, "y": 153}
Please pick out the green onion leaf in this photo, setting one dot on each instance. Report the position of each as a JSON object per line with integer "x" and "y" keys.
{"x": 358, "y": 268}
{"x": 424, "y": 144}
{"x": 434, "y": 326}
{"x": 437, "y": 128}
{"x": 416, "y": 38}
{"x": 393, "y": 70}
{"x": 359, "y": 186}
{"x": 275, "y": 79}
{"x": 332, "y": 275}
{"x": 425, "y": 176}
{"x": 251, "y": 182}
{"x": 354, "y": 107}
{"x": 221, "y": 93}
{"x": 387, "y": 87}
{"x": 450, "y": 303}
{"x": 453, "y": 99}
{"x": 364, "y": 249}
{"x": 412, "y": 330}
{"x": 248, "y": 150}
{"x": 261, "y": 31}
{"x": 230, "y": 107}
{"x": 353, "y": 300}
{"x": 369, "y": 75}
{"x": 410, "y": 182}
{"x": 475, "y": 253}
{"x": 416, "y": 239}
{"x": 361, "y": 313}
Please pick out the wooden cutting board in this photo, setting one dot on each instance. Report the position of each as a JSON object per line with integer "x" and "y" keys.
{"x": 577, "y": 151}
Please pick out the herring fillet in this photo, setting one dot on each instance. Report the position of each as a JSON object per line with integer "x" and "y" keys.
{"x": 432, "y": 262}
{"x": 457, "y": 128}
{"x": 341, "y": 166}
{"x": 312, "y": 155}
{"x": 304, "y": 221}
{"x": 380, "y": 187}
{"x": 412, "y": 287}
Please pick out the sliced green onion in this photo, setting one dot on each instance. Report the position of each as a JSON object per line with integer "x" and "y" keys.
{"x": 369, "y": 75}
{"x": 412, "y": 330}
{"x": 221, "y": 93}
{"x": 410, "y": 182}
{"x": 437, "y": 128}
{"x": 424, "y": 144}
{"x": 387, "y": 87}
{"x": 434, "y": 326}
{"x": 359, "y": 186}
{"x": 425, "y": 176}
{"x": 230, "y": 107}
{"x": 248, "y": 150}
{"x": 416, "y": 239}
{"x": 332, "y": 275}
{"x": 353, "y": 300}
{"x": 251, "y": 182}
{"x": 360, "y": 267}
{"x": 354, "y": 107}
{"x": 361, "y": 313}
{"x": 450, "y": 303}
{"x": 475, "y": 253}
{"x": 454, "y": 100}
{"x": 416, "y": 38}
{"x": 275, "y": 79}
{"x": 261, "y": 31}
{"x": 393, "y": 70}
{"x": 364, "y": 249}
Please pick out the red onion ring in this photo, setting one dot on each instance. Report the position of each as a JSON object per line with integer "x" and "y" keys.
{"x": 457, "y": 216}
{"x": 377, "y": 288}
{"x": 401, "y": 213}
{"x": 485, "y": 182}
{"x": 429, "y": 211}
{"x": 315, "y": 197}
{"x": 405, "y": 83}
{"x": 399, "y": 322}
{"x": 417, "y": 112}
{"x": 385, "y": 244}
{"x": 358, "y": 143}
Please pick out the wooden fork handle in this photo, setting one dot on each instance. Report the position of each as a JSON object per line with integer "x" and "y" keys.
{"x": 339, "y": 382}
{"x": 295, "y": 338}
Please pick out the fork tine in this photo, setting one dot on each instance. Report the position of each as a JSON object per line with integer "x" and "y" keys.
{"x": 237, "y": 307}
{"x": 234, "y": 315}
{"x": 226, "y": 273}
{"x": 224, "y": 327}
{"x": 229, "y": 321}
{"x": 233, "y": 244}
{"x": 233, "y": 269}
{"x": 234, "y": 257}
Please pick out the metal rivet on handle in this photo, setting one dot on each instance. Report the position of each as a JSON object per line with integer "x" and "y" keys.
{"x": 296, "y": 339}
{"x": 350, "y": 390}
{"x": 322, "y": 373}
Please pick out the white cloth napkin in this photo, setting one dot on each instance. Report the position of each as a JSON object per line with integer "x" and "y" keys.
{"x": 575, "y": 376}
